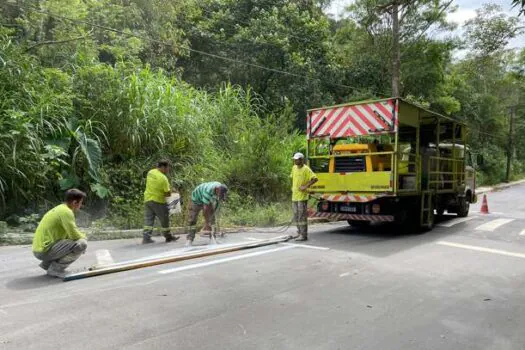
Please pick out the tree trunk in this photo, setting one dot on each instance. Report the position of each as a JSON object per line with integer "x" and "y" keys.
{"x": 396, "y": 59}
{"x": 510, "y": 145}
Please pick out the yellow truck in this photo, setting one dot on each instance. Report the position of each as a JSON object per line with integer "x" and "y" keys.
{"x": 388, "y": 160}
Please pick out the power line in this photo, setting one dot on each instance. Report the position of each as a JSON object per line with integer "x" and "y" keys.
{"x": 203, "y": 53}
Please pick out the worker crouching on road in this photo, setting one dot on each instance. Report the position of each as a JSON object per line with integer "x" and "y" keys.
{"x": 302, "y": 178}
{"x": 205, "y": 197}
{"x": 57, "y": 241}
{"x": 157, "y": 190}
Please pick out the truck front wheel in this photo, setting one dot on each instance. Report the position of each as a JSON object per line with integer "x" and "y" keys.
{"x": 463, "y": 207}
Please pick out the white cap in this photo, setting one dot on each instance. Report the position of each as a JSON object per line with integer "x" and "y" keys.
{"x": 298, "y": 155}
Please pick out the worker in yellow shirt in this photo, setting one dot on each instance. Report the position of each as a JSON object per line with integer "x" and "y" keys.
{"x": 57, "y": 241}
{"x": 157, "y": 189}
{"x": 302, "y": 178}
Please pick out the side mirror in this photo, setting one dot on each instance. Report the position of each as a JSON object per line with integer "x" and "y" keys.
{"x": 479, "y": 159}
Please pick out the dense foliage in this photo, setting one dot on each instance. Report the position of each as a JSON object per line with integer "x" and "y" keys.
{"x": 94, "y": 92}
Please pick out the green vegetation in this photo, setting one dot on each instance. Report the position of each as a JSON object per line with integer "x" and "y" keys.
{"x": 94, "y": 92}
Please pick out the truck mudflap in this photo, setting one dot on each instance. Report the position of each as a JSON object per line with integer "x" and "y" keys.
{"x": 356, "y": 217}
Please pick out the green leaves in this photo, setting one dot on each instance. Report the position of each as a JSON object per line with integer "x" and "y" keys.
{"x": 91, "y": 152}
{"x": 100, "y": 191}
{"x": 490, "y": 31}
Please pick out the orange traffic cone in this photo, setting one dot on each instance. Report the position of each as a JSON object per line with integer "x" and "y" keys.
{"x": 484, "y": 205}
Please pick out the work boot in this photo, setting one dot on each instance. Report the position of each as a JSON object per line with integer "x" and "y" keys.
{"x": 54, "y": 271}
{"x": 171, "y": 238}
{"x": 147, "y": 240}
{"x": 44, "y": 265}
{"x": 301, "y": 239}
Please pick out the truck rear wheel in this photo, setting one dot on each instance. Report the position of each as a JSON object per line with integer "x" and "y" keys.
{"x": 463, "y": 207}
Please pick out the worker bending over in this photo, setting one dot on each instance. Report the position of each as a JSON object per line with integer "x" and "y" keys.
{"x": 57, "y": 241}
{"x": 302, "y": 178}
{"x": 205, "y": 197}
{"x": 157, "y": 190}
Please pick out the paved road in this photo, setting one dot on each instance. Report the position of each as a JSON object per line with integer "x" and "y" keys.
{"x": 460, "y": 286}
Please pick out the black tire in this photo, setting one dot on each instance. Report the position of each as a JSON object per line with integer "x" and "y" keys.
{"x": 463, "y": 207}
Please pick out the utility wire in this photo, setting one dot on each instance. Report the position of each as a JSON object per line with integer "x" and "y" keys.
{"x": 203, "y": 53}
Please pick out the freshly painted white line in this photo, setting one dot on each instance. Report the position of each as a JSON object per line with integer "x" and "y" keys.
{"x": 494, "y": 224}
{"x": 306, "y": 246}
{"x": 344, "y": 274}
{"x": 104, "y": 257}
{"x": 522, "y": 233}
{"x": 253, "y": 239}
{"x": 220, "y": 261}
{"x": 453, "y": 222}
{"x": 482, "y": 249}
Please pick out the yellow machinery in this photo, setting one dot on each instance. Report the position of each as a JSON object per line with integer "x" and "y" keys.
{"x": 388, "y": 161}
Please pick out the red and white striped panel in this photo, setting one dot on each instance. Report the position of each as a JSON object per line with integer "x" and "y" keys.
{"x": 345, "y": 121}
{"x": 348, "y": 198}
{"x": 339, "y": 216}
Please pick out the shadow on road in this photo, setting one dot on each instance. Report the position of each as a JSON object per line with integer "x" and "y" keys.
{"x": 376, "y": 240}
{"x": 32, "y": 282}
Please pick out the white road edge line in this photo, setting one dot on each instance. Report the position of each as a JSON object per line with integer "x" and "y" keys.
{"x": 493, "y": 225}
{"x": 481, "y": 249}
{"x": 307, "y": 246}
{"x": 223, "y": 260}
{"x": 456, "y": 221}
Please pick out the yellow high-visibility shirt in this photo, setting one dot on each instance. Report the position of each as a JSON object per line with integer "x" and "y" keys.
{"x": 157, "y": 185}
{"x": 300, "y": 176}
{"x": 58, "y": 224}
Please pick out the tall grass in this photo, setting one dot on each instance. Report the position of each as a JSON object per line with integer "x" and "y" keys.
{"x": 140, "y": 116}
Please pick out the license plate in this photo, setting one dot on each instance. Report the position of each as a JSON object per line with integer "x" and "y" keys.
{"x": 348, "y": 208}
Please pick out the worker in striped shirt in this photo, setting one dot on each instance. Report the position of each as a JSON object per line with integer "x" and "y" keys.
{"x": 206, "y": 197}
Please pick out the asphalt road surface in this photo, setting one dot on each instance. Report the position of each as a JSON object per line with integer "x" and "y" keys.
{"x": 461, "y": 286}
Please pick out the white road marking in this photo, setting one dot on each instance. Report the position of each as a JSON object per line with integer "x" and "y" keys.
{"x": 494, "y": 224}
{"x": 220, "y": 261}
{"x": 253, "y": 239}
{"x": 453, "y": 222}
{"x": 344, "y": 274}
{"x": 306, "y": 246}
{"x": 104, "y": 257}
{"x": 482, "y": 249}
{"x": 522, "y": 233}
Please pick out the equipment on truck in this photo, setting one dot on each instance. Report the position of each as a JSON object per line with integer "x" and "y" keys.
{"x": 388, "y": 160}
